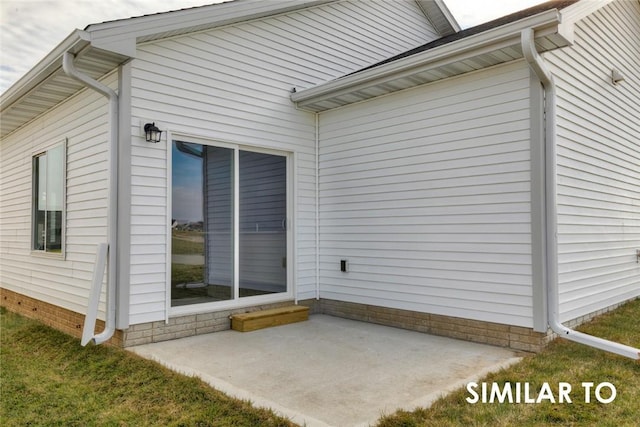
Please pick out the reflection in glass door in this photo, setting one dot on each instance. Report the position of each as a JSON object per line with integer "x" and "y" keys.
{"x": 228, "y": 231}
{"x": 202, "y": 219}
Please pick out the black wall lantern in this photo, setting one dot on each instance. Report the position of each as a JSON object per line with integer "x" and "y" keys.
{"x": 152, "y": 133}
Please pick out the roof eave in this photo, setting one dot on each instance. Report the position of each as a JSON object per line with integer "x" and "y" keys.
{"x": 75, "y": 42}
{"x": 46, "y": 84}
{"x": 323, "y": 96}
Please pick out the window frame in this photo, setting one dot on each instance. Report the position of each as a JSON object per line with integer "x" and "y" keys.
{"x": 34, "y": 202}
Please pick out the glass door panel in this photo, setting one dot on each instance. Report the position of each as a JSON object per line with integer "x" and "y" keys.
{"x": 262, "y": 223}
{"x": 202, "y": 224}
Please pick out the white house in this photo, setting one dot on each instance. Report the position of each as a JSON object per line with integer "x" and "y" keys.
{"x": 366, "y": 159}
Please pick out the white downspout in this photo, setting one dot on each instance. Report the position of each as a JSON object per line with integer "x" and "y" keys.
{"x": 317, "y": 208}
{"x": 112, "y": 201}
{"x": 551, "y": 223}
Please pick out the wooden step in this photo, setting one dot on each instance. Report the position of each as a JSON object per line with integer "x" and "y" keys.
{"x": 245, "y": 322}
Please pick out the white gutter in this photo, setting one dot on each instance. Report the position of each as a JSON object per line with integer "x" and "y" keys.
{"x": 112, "y": 200}
{"x": 551, "y": 224}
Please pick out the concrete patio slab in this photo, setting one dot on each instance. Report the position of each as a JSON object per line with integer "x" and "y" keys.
{"x": 330, "y": 371}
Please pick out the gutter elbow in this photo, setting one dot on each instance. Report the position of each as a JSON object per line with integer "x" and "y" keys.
{"x": 69, "y": 68}
{"x": 528, "y": 45}
{"x": 526, "y": 42}
{"x": 103, "y": 336}
{"x": 559, "y": 328}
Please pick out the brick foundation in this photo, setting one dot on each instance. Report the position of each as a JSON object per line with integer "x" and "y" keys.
{"x": 186, "y": 326}
{"x": 71, "y": 322}
{"x": 588, "y": 317}
{"x": 497, "y": 334}
{"x": 58, "y": 318}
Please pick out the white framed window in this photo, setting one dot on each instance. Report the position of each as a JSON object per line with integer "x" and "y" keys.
{"x": 48, "y": 200}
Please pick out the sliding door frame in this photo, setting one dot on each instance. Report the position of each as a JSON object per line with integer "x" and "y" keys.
{"x": 236, "y": 301}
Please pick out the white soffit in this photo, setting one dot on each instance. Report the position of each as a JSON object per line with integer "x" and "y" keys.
{"x": 46, "y": 85}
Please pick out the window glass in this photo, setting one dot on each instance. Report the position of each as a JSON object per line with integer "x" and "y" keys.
{"x": 49, "y": 176}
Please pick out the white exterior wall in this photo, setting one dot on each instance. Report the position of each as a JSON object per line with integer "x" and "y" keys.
{"x": 233, "y": 85}
{"x": 426, "y": 193}
{"x": 63, "y": 282}
{"x": 599, "y": 161}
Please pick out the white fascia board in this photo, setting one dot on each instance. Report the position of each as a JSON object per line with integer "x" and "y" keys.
{"x": 75, "y": 42}
{"x": 544, "y": 24}
{"x": 448, "y": 15}
{"x": 120, "y": 45}
{"x": 151, "y": 27}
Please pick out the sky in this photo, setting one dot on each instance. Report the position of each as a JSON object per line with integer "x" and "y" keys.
{"x": 30, "y": 29}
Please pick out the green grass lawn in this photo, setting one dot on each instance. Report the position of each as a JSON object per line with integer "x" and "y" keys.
{"x": 187, "y": 242}
{"x": 47, "y": 378}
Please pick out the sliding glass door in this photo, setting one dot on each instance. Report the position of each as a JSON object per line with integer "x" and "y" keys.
{"x": 229, "y": 223}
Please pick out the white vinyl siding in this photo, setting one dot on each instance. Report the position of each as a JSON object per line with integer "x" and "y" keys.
{"x": 63, "y": 282}
{"x": 426, "y": 193}
{"x": 233, "y": 85}
{"x": 599, "y": 161}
